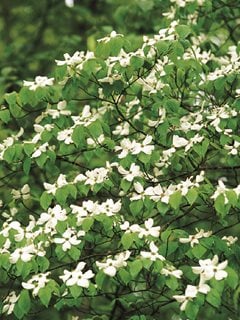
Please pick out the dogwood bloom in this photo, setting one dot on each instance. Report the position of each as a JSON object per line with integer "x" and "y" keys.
{"x": 109, "y": 207}
{"x": 221, "y": 189}
{"x": 39, "y": 82}
{"x": 154, "y": 193}
{"x": 230, "y": 240}
{"x": 209, "y": 269}
{"x": 130, "y": 228}
{"x": 52, "y": 188}
{"x": 153, "y": 255}
{"x": 139, "y": 194}
{"x": 69, "y": 239}
{"x": 9, "y": 302}
{"x": 126, "y": 146}
{"x": 129, "y": 175}
{"x": 69, "y": 3}
{"x": 111, "y": 266}
{"x": 233, "y": 150}
{"x": 97, "y": 175}
{"x": 24, "y": 253}
{"x": 66, "y": 136}
{"x": 23, "y": 193}
{"x": 149, "y": 230}
{"x": 52, "y": 216}
{"x": 77, "y": 276}
{"x": 113, "y": 34}
{"x": 122, "y": 129}
{"x": 194, "y": 239}
{"x": 171, "y": 271}
{"x": 36, "y": 283}
{"x": 179, "y": 142}
{"x": 190, "y": 293}
{"x": 144, "y": 147}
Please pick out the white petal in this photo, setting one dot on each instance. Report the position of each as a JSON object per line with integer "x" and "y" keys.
{"x": 111, "y": 271}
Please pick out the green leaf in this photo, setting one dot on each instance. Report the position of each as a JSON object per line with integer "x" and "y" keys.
{"x": 183, "y": 31}
{"x": 232, "y": 197}
{"x": 75, "y": 291}
{"x": 87, "y": 223}
{"x": 78, "y": 136}
{"x": 9, "y": 154}
{"x": 175, "y": 199}
{"x": 18, "y": 312}
{"x": 61, "y": 195}
{"x": 220, "y": 205}
{"x": 74, "y": 253}
{"x": 192, "y": 195}
{"x": 102, "y": 50}
{"x": 198, "y": 251}
{"x": 24, "y": 301}
{"x": 127, "y": 240}
{"x": 214, "y": 298}
{"x": 232, "y": 278}
{"x": 125, "y": 185}
{"x": 5, "y": 115}
{"x": 192, "y": 310}
{"x": 162, "y": 47}
{"x": 45, "y": 200}
{"x": 172, "y": 283}
{"x": 135, "y": 267}
{"x": 95, "y": 129}
{"x": 125, "y": 276}
{"x": 44, "y": 295}
{"x": 136, "y": 207}
{"x": 43, "y": 263}
{"x": 27, "y": 166}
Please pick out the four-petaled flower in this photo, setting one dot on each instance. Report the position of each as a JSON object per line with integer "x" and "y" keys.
{"x": 39, "y": 82}
{"x": 190, "y": 293}
{"x": 194, "y": 239}
{"x": 111, "y": 266}
{"x": 77, "y": 276}
{"x": 36, "y": 283}
{"x": 153, "y": 255}
{"x": 209, "y": 269}
{"x": 69, "y": 239}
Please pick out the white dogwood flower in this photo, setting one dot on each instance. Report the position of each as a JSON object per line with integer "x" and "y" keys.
{"x": 190, "y": 293}
{"x": 209, "y": 269}
{"x": 129, "y": 175}
{"x": 39, "y": 82}
{"x": 144, "y": 146}
{"x": 69, "y": 239}
{"x": 23, "y": 193}
{"x": 9, "y": 302}
{"x": 69, "y": 3}
{"x": 52, "y": 188}
{"x": 149, "y": 229}
{"x": 36, "y": 283}
{"x": 66, "y": 136}
{"x": 111, "y": 266}
{"x": 153, "y": 255}
{"x": 52, "y": 216}
{"x": 77, "y": 276}
{"x": 179, "y": 142}
{"x": 230, "y": 240}
{"x": 24, "y": 253}
{"x": 194, "y": 239}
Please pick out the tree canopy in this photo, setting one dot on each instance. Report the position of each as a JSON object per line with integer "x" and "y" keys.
{"x": 119, "y": 168}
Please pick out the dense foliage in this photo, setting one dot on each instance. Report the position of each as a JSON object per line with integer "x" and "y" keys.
{"x": 120, "y": 182}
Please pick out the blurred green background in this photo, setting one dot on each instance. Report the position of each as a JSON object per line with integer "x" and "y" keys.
{"x": 35, "y": 33}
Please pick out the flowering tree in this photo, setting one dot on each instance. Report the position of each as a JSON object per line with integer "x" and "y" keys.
{"x": 121, "y": 186}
